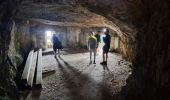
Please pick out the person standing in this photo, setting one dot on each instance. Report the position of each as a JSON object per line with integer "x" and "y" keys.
{"x": 92, "y": 44}
{"x": 97, "y": 35}
{"x": 57, "y": 46}
{"x": 106, "y": 47}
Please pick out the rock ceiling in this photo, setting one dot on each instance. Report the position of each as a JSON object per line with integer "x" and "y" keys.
{"x": 63, "y": 15}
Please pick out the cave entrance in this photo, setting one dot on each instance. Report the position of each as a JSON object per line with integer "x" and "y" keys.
{"x": 49, "y": 35}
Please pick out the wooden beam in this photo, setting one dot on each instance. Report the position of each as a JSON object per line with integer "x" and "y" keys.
{"x": 39, "y": 69}
{"x": 25, "y": 74}
{"x": 32, "y": 70}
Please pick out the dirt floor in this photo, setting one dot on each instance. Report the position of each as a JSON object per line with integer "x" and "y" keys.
{"x": 71, "y": 77}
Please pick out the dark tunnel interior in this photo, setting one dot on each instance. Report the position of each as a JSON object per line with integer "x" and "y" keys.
{"x": 138, "y": 65}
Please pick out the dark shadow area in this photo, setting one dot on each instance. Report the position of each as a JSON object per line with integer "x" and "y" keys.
{"x": 80, "y": 85}
{"x": 46, "y": 74}
{"x": 66, "y": 51}
{"x": 48, "y": 53}
{"x": 70, "y": 81}
{"x": 105, "y": 67}
{"x": 34, "y": 94}
{"x": 75, "y": 50}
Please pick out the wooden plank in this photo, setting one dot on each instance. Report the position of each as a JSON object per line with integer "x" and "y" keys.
{"x": 32, "y": 70}
{"x": 39, "y": 69}
{"x": 26, "y": 71}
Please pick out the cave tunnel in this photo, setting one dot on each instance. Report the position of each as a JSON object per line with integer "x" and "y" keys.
{"x": 138, "y": 59}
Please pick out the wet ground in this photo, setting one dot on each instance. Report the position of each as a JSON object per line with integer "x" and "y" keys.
{"x": 71, "y": 77}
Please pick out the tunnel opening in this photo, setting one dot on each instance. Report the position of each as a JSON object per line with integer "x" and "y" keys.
{"x": 49, "y": 35}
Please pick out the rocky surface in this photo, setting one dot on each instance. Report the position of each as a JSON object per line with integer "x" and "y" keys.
{"x": 144, "y": 30}
{"x": 8, "y": 62}
{"x": 150, "y": 79}
{"x": 75, "y": 79}
{"x": 62, "y": 15}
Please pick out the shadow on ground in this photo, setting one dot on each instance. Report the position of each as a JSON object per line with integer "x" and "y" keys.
{"x": 81, "y": 86}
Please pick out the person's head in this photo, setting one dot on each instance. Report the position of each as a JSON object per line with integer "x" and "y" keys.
{"x": 92, "y": 33}
{"x": 107, "y": 31}
{"x": 99, "y": 32}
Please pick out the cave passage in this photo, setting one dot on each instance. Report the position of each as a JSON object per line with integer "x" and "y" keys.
{"x": 139, "y": 54}
{"x": 71, "y": 77}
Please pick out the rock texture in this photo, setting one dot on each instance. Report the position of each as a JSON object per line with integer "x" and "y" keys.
{"x": 150, "y": 79}
{"x": 8, "y": 62}
{"x": 142, "y": 26}
{"x": 149, "y": 47}
{"x": 62, "y": 15}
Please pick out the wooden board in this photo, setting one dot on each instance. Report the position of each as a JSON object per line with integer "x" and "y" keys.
{"x": 32, "y": 70}
{"x": 39, "y": 69}
{"x": 26, "y": 71}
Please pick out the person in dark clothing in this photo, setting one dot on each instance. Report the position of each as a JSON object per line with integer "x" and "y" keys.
{"x": 106, "y": 47}
{"x": 57, "y": 46}
{"x": 97, "y": 35}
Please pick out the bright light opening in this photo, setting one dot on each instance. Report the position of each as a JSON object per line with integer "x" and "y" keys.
{"x": 49, "y": 35}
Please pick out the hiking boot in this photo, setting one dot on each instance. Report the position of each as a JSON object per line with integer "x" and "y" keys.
{"x": 103, "y": 63}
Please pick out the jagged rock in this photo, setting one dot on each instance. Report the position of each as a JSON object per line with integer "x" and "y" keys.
{"x": 142, "y": 26}
{"x": 7, "y": 72}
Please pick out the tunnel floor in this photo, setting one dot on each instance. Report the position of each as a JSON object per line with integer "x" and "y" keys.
{"x": 71, "y": 77}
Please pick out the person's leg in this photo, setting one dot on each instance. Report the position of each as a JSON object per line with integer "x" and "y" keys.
{"x": 54, "y": 49}
{"x": 106, "y": 58}
{"x": 94, "y": 62}
{"x": 58, "y": 52}
{"x": 104, "y": 52}
{"x": 90, "y": 56}
{"x": 107, "y": 50}
{"x": 97, "y": 49}
{"x": 103, "y": 58}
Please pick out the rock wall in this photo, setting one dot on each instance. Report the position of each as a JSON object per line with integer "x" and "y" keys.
{"x": 150, "y": 79}
{"x": 127, "y": 46}
{"x": 37, "y": 37}
{"x": 24, "y": 36}
{"x": 73, "y": 36}
{"x": 8, "y": 63}
{"x": 148, "y": 48}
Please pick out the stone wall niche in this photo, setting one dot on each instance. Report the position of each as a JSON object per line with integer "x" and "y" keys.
{"x": 38, "y": 37}
{"x": 73, "y": 34}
